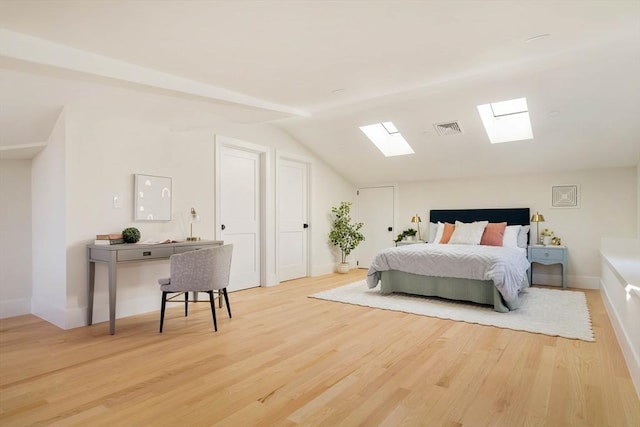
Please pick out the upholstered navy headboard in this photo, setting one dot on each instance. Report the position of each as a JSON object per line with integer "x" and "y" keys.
{"x": 513, "y": 216}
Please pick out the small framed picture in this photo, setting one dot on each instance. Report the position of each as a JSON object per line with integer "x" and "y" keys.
{"x": 565, "y": 196}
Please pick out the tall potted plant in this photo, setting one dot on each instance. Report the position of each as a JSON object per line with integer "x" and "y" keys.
{"x": 344, "y": 234}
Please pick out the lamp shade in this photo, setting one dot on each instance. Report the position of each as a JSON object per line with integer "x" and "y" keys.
{"x": 416, "y": 220}
{"x": 537, "y": 217}
{"x": 195, "y": 217}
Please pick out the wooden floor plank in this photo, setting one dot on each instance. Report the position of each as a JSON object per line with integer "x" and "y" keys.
{"x": 286, "y": 359}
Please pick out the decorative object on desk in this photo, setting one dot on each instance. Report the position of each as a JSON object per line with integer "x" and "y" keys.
{"x": 406, "y": 235}
{"x": 565, "y": 196}
{"x": 194, "y": 217}
{"x": 537, "y": 218}
{"x": 344, "y": 234}
{"x": 131, "y": 235}
{"x": 556, "y": 241}
{"x": 152, "y": 198}
{"x": 547, "y": 236}
{"x": 416, "y": 220}
{"x": 108, "y": 239}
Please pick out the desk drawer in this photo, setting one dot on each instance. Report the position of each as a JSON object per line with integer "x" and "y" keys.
{"x": 546, "y": 253}
{"x": 144, "y": 253}
{"x": 188, "y": 248}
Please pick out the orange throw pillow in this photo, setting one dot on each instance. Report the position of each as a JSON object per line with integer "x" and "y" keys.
{"x": 448, "y": 231}
{"x": 493, "y": 234}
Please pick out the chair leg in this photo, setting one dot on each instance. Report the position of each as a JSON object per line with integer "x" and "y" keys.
{"x": 226, "y": 299}
{"x": 213, "y": 310}
{"x": 163, "y": 305}
{"x": 186, "y": 304}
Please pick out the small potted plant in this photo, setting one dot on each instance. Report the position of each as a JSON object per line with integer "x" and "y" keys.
{"x": 406, "y": 235}
{"x": 547, "y": 236}
{"x": 345, "y": 235}
{"x": 131, "y": 235}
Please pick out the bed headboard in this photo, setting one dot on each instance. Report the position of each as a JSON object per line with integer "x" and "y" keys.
{"x": 513, "y": 216}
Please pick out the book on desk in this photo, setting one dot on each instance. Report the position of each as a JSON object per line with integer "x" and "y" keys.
{"x": 108, "y": 239}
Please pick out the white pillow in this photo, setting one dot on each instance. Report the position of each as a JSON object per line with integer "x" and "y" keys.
{"x": 433, "y": 228}
{"x": 468, "y": 233}
{"x": 439, "y": 232}
{"x": 510, "y": 239}
{"x": 522, "y": 236}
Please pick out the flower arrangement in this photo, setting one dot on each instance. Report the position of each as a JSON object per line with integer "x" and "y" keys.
{"x": 546, "y": 232}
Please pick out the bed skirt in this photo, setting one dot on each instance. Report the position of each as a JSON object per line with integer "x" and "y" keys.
{"x": 478, "y": 291}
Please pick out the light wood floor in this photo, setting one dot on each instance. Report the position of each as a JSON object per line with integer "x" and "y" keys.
{"x": 285, "y": 359}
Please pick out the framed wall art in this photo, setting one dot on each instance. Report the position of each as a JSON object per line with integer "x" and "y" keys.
{"x": 152, "y": 198}
{"x": 565, "y": 196}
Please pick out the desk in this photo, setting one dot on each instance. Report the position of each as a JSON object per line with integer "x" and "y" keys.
{"x": 548, "y": 255}
{"x": 112, "y": 255}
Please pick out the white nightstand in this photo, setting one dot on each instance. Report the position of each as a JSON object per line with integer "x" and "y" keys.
{"x": 548, "y": 255}
{"x": 409, "y": 242}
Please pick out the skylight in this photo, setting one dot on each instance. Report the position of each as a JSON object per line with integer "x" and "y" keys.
{"x": 387, "y": 138}
{"x": 506, "y": 121}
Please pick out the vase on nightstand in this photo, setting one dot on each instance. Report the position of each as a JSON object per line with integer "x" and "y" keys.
{"x": 546, "y": 240}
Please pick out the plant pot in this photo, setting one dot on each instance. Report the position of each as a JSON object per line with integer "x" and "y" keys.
{"x": 343, "y": 268}
{"x": 546, "y": 240}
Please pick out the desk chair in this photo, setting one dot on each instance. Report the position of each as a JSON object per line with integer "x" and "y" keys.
{"x": 204, "y": 270}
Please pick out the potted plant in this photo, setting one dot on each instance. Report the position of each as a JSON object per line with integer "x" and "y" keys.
{"x": 547, "y": 236}
{"x": 344, "y": 234}
{"x": 406, "y": 234}
{"x": 131, "y": 235}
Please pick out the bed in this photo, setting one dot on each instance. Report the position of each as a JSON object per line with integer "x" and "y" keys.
{"x": 422, "y": 269}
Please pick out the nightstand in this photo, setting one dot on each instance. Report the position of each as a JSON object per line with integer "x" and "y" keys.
{"x": 548, "y": 255}
{"x": 409, "y": 242}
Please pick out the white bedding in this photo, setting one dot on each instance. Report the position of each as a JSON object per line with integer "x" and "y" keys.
{"x": 507, "y": 267}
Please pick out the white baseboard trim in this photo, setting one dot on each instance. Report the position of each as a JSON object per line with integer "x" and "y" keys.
{"x": 577, "y": 282}
{"x": 322, "y": 269}
{"x": 124, "y": 308}
{"x": 630, "y": 356}
{"x": 15, "y": 307}
{"x": 54, "y": 315}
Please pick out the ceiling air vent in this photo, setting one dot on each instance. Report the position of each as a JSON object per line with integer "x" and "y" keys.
{"x": 448, "y": 128}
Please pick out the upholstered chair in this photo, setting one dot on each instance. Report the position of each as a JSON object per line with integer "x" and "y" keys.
{"x": 204, "y": 270}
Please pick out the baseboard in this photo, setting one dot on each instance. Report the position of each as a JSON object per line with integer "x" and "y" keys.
{"x": 124, "y": 308}
{"x": 577, "y": 282}
{"x": 54, "y": 315}
{"x": 631, "y": 358}
{"x": 15, "y": 307}
{"x": 322, "y": 269}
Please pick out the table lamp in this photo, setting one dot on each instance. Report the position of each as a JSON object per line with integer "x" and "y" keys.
{"x": 416, "y": 219}
{"x": 537, "y": 218}
{"x": 194, "y": 218}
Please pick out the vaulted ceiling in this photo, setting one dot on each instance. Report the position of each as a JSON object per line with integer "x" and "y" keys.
{"x": 319, "y": 70}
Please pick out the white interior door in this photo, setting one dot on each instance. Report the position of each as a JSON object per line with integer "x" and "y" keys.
{"x": 375, "y": 210}
{"x": 293, "y": 219}
{"x": 240, "y": 214}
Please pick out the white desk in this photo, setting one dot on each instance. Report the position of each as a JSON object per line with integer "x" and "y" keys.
{"x": 112, "y": 255}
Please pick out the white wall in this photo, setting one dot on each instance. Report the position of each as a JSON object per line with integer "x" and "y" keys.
{"x": 638, "y": 197}
{"x": 608, "y": 209}
{"x": 15, "y": 237}
{"x": 48, "y": 209}
{"x": 100, "y": 141}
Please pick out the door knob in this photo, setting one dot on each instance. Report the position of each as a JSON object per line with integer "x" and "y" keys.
{"x": 223, "y": 226}
{"x": 390, "y": 229}
{"x": 305, "y": 225}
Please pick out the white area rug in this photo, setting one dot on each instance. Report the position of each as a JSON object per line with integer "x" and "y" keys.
{"x": 544, "y": 311}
